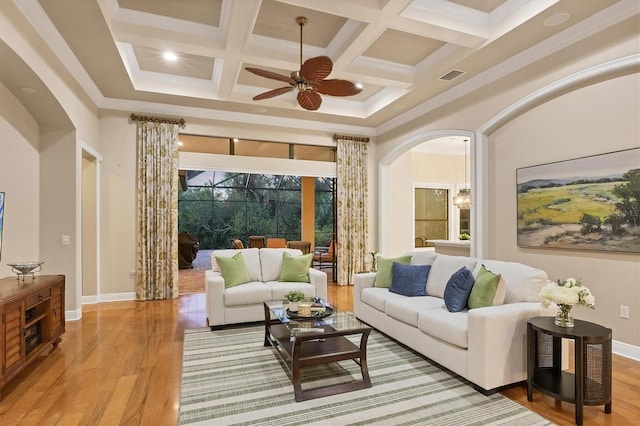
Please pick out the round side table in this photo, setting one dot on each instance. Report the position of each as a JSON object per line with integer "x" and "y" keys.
{"x": 591, "y": 382}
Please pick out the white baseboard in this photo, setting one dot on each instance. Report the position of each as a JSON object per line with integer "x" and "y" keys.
{"x": 626, "y": 350}
{"x": 117, "y": 297}
{"x": 73, "y": 315}
{"x": 89, "y": 300}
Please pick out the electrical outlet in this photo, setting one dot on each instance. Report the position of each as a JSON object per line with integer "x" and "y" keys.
{"x": 624, "y": 312}
{"x": 132, "y": 275}
{"x": 65, "y": 240}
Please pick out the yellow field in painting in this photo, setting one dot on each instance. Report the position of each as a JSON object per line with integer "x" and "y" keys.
{"x": 566, "y": 204}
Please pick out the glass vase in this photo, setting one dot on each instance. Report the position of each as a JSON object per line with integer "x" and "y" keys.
{"x": 563, "y": 316}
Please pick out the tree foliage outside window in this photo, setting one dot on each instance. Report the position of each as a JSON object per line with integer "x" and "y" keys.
{"x": 219, "y": 207}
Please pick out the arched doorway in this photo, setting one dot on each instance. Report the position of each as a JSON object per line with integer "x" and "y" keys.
{"x": 397, "y": 181}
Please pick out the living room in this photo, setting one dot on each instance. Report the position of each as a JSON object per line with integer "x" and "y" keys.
{"x": 570, "y": 94}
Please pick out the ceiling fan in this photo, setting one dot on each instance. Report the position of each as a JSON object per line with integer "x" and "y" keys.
{"x": 309, "y": 80}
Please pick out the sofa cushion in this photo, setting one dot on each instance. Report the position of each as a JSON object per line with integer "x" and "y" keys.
{"x": 385, "y": 269}
{"x": 406, "y": 309}
{"x": 247, "y": 294}
{"x": 271, "y": 262}
{"x": 443, "y": 267}
{"x": 422, "y": 257}
{"x": 376, "y": 297}
{"x": 484, "y": 289}
{"x": 251, "y": 261}
{"x": 279, "y": 289}
{"x": 233, "y": 270}
{"x": 523, "y": 283}
{"x": 452, "y": 327}
{"x": 409, "y": 280}
{"x": 456, "y": 294}
{"x": 296, "y": 268}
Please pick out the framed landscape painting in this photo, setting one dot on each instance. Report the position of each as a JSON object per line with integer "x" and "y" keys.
{"x": 588, "y": 203}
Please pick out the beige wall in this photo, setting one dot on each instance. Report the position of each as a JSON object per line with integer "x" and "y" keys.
{"x": 597, "y": 118}
{"x": 600, "y": 118}
{"x": 19, "y": 180}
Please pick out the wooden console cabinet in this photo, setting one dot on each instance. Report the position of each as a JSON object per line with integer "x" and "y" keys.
{"x": 32, "y": 313}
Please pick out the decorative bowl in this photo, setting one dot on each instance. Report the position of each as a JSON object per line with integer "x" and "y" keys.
{"x": 24, "y": 268}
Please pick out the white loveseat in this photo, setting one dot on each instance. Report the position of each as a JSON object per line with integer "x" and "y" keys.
{"x": 244, "y": 302}
{"x": 487, "y": 345}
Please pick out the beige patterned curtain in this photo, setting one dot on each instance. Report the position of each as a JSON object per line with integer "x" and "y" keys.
{"x": 353, "y": 227}
{"x": 157, "y": 206}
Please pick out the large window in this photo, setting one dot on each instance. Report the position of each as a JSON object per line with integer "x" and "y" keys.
{"x": 219, "y": 207}
{"x": 431, "y": 215}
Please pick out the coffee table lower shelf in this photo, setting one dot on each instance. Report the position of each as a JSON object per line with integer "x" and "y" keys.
{"x": 306, "y": 350}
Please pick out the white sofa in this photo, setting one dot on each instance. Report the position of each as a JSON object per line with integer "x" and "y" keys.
{"x": 487, "y": 346}
{"x": 244, "y": 302}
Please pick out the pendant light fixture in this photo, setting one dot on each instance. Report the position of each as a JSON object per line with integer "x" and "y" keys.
{"x": 463, "y": 198}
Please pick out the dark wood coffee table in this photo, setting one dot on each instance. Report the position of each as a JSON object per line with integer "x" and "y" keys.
{"x": 325, "y": 343}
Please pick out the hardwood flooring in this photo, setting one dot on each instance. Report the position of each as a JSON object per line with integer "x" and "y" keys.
{"x": 120, "y": 365}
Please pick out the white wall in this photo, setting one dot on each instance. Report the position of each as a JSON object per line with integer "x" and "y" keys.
{"x": 600, "y": 118}
{"x": 590, "y": 118}
{"x": 19, "y": 180}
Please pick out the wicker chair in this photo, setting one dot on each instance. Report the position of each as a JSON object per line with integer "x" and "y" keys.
{"x": 304, "y": 246}
{"x": 257, "y": 241}
{"x": 237, "y": 244}
{"x": 276, "y": 243}
{"x": 327, "y": 258}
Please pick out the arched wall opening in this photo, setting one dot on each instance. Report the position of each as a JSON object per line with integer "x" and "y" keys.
{"x": 395, "y": 233}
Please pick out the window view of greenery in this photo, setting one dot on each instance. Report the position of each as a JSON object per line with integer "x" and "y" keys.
{"x": 219, "y": 207}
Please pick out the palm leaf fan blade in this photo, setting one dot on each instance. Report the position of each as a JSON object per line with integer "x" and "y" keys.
{"x": 273, "y": 93}
{"x": 337, "y": 87}
{"x": 309, "y": 100}
{"x": 316, "y": 69}
{"x": 271, "y": 75}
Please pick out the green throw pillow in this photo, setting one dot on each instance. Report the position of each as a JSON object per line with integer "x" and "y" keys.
{"x": 484, "y": 289}
{"x": 385, "y": 270}
{"x": 233, "y": 270}
{"x": 296, "y": 268}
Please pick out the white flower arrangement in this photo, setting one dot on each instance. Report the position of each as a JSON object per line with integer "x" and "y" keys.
{"x": 370, "y": 259}
{"x": 567, "y": 292}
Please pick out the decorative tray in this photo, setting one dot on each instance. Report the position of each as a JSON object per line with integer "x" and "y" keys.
{"x": 314, "y": 315}
{"x": 24, "y": 268}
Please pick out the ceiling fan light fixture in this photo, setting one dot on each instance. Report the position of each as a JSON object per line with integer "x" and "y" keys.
{"x": 310, "y": 80}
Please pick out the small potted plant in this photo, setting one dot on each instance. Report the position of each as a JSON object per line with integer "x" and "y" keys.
{"x": 294, "y": 297}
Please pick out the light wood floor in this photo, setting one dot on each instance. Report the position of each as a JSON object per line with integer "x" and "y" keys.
{"x": 121, "y": 364}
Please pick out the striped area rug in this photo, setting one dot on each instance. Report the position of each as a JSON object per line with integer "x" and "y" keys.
{"x": 230, "y": 378}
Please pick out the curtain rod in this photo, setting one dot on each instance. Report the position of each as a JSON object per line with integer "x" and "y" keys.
{"x": 350, "y": 138}
{"x": 179, "y": 121}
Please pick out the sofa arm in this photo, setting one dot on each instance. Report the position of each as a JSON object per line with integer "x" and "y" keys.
{"x": 361, "y": 281}
{"x": 319, "y": 280}
{"x": 497, "y": 343}
{"x": 214, "y": 297}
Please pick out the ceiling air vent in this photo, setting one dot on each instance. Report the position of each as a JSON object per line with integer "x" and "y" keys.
{"x": 453, "y": 74}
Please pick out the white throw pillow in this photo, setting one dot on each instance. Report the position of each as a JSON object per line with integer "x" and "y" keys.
{"x": 271, "y": 262}
{"x": 422, "y": 257}
{"x": 522, "y": 283}
{"x": 443, "y": 267}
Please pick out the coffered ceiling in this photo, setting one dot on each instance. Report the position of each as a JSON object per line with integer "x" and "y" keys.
{"x": 398, "y": 50}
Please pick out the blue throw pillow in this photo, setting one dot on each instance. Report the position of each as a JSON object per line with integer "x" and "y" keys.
{"x": 458, "y": 289}
{"x": 409, "y": 280}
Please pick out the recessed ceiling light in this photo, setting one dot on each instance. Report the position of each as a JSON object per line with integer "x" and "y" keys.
{"x": 180, "y": 143}
{"x": 235, "y": 139}
{"x": 170, "y": 56}
{"x": 27, "y": 90}
{"x": 557, "y": 19}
